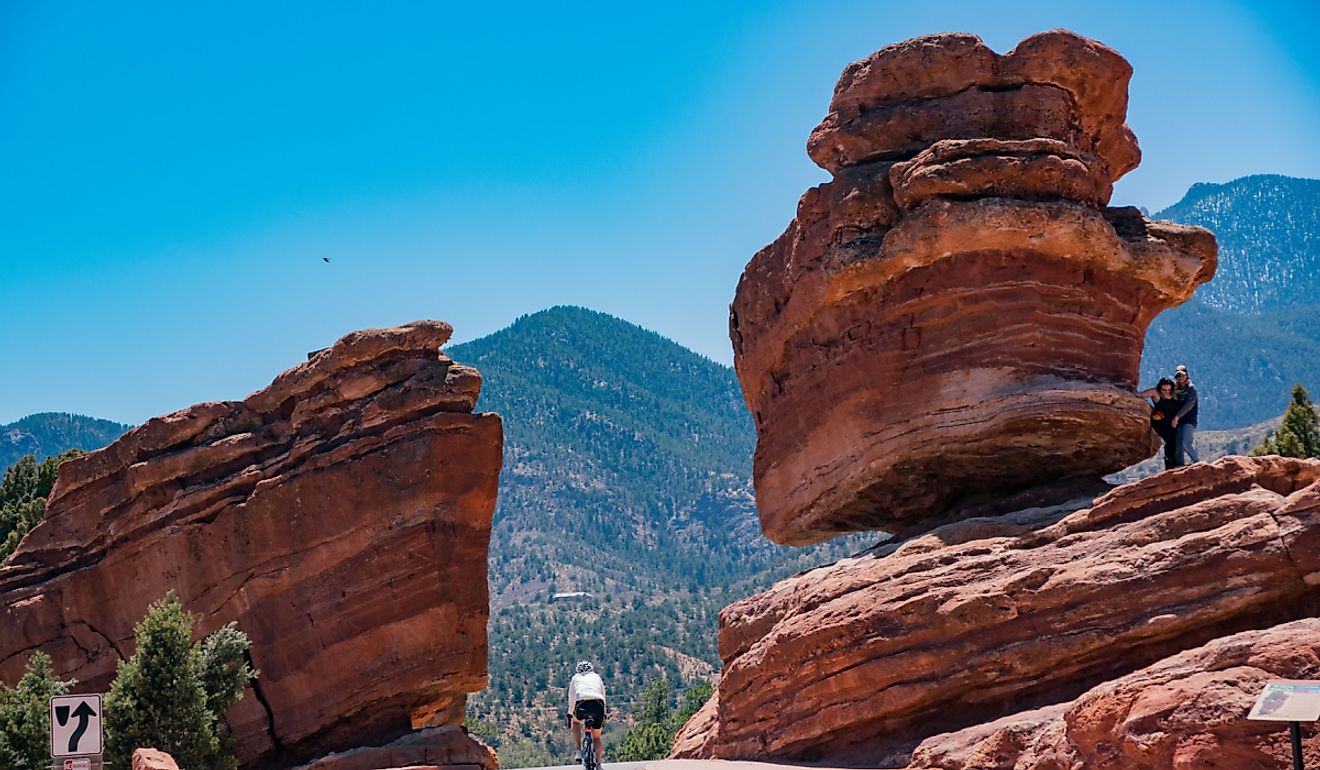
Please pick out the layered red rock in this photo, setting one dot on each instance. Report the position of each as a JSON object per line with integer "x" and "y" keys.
{"x": 859, "y": 661}
{"x": 341, "y": 516}
{"x": 1186, "y": 712}
{"x": 957, "y": 314}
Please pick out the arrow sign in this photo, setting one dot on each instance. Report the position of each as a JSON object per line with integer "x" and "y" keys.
{"x": 83, "y": 713}
{"x": 75, "y": 725}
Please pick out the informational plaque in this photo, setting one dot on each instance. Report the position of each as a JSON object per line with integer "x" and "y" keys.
{"x": 1288, "y": 700}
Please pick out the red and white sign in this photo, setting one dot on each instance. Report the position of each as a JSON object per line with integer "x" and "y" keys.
{"x": 77, "y": 764}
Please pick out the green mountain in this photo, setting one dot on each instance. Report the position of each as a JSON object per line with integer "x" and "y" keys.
{"x": 627, "y": 467}
{"x": 51, "y": 433}
{"x": 1253, "y": 331}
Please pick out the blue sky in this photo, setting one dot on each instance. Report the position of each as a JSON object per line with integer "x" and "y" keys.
{"x": 172, "y": 174}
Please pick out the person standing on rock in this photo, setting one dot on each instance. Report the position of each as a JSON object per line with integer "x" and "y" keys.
{"x": 586, "y": 705}
{"x": 1184, "y": 422}
{"x": 1164, "y": 405}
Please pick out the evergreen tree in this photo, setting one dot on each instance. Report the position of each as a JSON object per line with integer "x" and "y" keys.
{"x": 652, "y": 737}
{"x": 23, "y": 495}
{"x": 25, "y": 715}
{"x": 1299, "y": 432}
{"x": 169, "y": 694}
{"x": 224, "y": 667}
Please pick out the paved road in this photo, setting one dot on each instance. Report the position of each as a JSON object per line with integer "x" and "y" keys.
{"x": 691, "y": 764}
{"x": 606, "y": 766}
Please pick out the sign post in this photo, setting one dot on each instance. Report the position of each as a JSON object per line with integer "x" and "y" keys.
{"x": 75, "y": 730}
{"x": 1289, "y": 700}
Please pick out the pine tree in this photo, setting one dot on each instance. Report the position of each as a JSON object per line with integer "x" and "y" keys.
{"x": 1299, "y": 432}
{"x": 24, "y": 715}
{"x": 169, "y": 695}
{"x": 652, "y": 737}
{"x": 23, "y": 492}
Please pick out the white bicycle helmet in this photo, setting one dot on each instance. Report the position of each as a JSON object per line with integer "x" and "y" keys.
{"x": 583, "y": 667}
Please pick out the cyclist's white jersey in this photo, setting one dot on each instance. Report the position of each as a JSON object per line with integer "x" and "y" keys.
{"x": 585, "y": 687}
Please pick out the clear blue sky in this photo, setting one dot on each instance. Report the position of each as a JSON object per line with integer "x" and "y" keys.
{"x": 172, "y": 174}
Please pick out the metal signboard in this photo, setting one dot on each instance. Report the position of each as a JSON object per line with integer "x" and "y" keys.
{"x": 1288, "y": 700}
{"x": 75, "y": 726}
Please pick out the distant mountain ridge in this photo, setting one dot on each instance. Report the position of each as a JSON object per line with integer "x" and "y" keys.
{"x": 51, "y": 433}
{"x": 1253, "y": 331}
{"x": 1268, "y": 228}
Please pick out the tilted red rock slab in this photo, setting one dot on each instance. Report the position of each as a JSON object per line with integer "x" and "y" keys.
{"x": 955, "y": 315}
{"x": 975, "y": 620}
{"x": 1185, "y": 712}
{"x": 341, "y": 516}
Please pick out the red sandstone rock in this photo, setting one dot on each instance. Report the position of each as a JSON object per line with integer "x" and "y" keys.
{"x": 1186, "y": 712}
{"x": 908, "y": 95}
{"x": 151, "y": 759}
{"x": 976, "y": 620}
{"x": 955, "y": 315}
{"x": 341, "y": 516}
{"x": 444, "y": 748}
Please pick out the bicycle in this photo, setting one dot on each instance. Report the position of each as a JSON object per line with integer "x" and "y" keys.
{"x": 588, "y": 742}
{"x": 588, "y": 748}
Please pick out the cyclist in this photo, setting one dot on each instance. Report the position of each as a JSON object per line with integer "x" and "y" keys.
{"x": 586, "y": 704}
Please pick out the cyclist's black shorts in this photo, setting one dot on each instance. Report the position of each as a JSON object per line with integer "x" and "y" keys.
{"x": 590, "y": 713}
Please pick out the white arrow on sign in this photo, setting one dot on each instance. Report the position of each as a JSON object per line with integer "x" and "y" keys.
{"x": 75, "y": 725}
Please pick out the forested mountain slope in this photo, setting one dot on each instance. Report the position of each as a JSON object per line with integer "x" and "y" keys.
{"x": 627, "y": 468}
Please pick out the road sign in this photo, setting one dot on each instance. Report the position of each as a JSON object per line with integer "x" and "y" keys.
{"x": 75, "y": 725}
{"x": 1288, "y": 700}
{"x": 77, "y": 764}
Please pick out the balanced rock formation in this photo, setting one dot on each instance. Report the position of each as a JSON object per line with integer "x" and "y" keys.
{"x": 1186, "y": 712}
{"x": 957, "y": 314}
{"x": 341, "y": 516}
{"x": 981, "y": 619}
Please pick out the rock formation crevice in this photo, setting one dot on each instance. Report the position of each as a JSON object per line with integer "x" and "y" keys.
{"x": 272, "y": 735}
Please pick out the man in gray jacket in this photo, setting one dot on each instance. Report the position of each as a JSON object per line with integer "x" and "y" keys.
{"x": 1184, "y": 422}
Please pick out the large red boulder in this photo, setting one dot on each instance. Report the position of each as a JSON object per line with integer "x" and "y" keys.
{"x": 1186, "y": 712}
{"x": 957, "y": 314}
{"x": 341, "y": 516}
{"x": 859, "y": 661}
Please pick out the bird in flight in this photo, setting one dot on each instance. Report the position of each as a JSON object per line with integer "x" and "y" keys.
{"x": 325, "y": 259}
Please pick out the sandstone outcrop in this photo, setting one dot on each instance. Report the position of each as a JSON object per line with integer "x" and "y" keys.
{"x": 957, "y": 314}
{"x": 341, "y": 516}
{"x": 151, "y": 759}
{"x": 1184, "y": 713}
{"x": 984, "y": 618}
